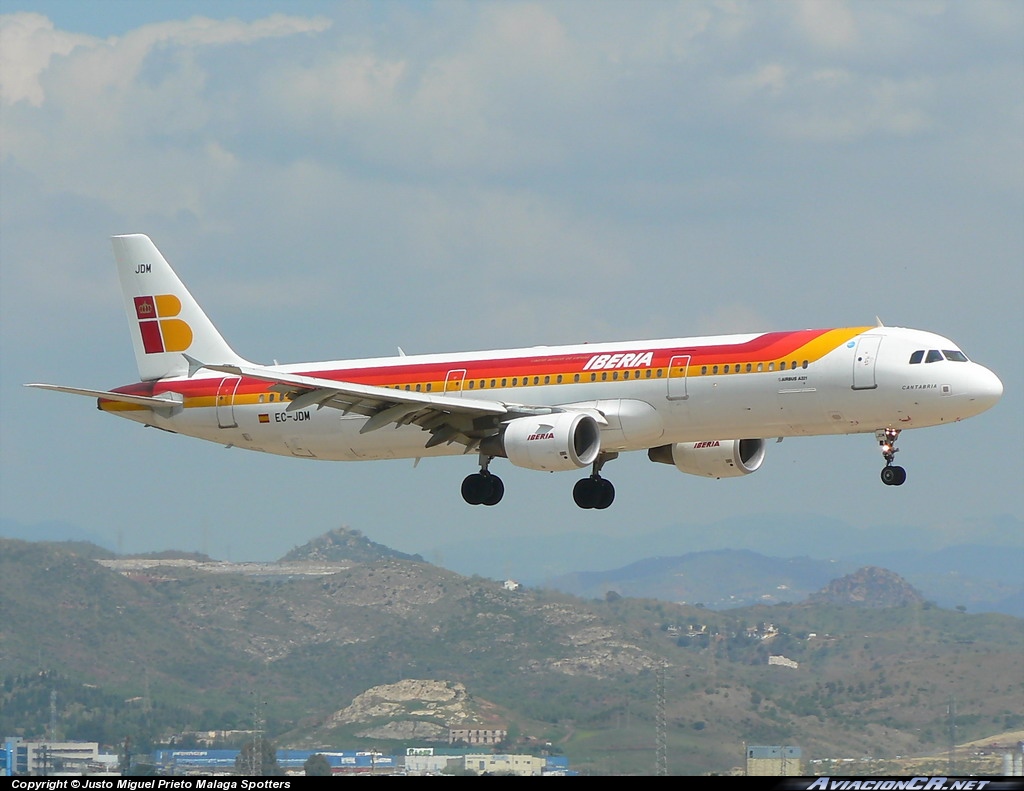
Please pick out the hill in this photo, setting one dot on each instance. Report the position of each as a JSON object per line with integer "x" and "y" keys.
{"x": 386, "y": 651}
{"x": 981, "y": 579}
{"x": 345, "y": 544}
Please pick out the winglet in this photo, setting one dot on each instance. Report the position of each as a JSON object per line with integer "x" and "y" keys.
{"x": 879, "y": 322}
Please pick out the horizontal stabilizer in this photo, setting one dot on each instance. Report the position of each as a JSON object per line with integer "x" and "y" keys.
{"x": 159, "y": 402}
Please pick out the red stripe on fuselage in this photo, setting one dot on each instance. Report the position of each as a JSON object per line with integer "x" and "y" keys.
{"x": 768, "y": 346}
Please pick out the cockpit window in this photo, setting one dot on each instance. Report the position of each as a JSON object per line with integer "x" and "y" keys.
{"x": 933, "y": 356}
{"x": 955, "y": 355}
{"x": 916, "y": 357}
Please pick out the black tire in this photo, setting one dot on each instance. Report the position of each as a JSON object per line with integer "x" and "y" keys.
{"x": 584, "y": 493}
{"x": 496, "y": 490}
{"x": 606, "y": 494}
{"x": 890, "y": 476}
{"x": 474, "y": 489}
{"x": 901, "y": 476}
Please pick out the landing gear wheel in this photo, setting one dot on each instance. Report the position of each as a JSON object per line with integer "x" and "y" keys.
{"x": 482, "y": 488}
{"x": 894, "y": 476}
{"x": 582, "y": 493}
{"x": 474, "y": 489}
{"x": 593, "y": 492}
{"x": 606, "y": 494}
{"x": 497, "y": 491}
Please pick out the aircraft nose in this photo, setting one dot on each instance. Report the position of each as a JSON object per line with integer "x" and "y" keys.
{"x": 985, "y": 389}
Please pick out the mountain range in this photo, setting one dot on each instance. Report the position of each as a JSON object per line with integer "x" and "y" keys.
{"x": 348, "y": 644}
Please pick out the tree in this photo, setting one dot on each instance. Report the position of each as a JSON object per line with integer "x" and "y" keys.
{"x": 258, "y": 761}
{"x": 317, "y": 766}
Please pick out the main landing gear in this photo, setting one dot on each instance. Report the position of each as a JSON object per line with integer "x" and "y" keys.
{"x": 892, "y": 475}
{"x": 595, "y": 491}
{"x": 483, "y": 488}
{"x": 486, "y": 488}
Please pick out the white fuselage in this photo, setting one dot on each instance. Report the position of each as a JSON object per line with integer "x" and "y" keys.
{"x": 668, "y": 391}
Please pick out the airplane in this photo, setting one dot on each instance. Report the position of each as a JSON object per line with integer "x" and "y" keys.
{"x": 706, "y": 405}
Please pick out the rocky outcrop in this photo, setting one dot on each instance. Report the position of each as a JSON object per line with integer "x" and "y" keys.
{"x": 423, "y": 700}
{"x": 868, "y": 587}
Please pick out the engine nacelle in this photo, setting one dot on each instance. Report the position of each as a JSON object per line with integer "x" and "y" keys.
{"x": 560, "y": 441}
{"x": 726, "y": 458}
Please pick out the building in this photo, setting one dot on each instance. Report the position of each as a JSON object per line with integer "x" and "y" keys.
{"x": 477, "y": 735}
{"x": 212, "y": 762}
{"x": 774, "y": 762}
{"x": 53, "y": 759}
{"x": 430, "y": 761}
{"x": 519, "y": 765}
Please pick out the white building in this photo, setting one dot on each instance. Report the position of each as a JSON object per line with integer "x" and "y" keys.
{"x": 55, "y": 759}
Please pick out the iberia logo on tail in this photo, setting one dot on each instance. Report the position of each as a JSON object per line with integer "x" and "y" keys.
{"x": 161, "y": 332}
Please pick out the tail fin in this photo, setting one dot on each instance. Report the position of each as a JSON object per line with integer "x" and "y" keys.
{"x": 165, "y": 321}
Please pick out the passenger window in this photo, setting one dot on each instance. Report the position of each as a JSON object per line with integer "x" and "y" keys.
{"x": 714, "y": 369}
{"x": 515, "y": 381}
{"x": 916, "y": 357}
{"x": 782, "y": 366}
{"x": 748, "y": 368}
{"x": 933, "y": 356}
{"x": 760, "y": 367}
{"x": 536, "y": 380}
{"x": 803, "y": 364}
{"x": 430, "y": 386}
{"x": 504, "y": 381}
{"x": 771, "y": 366}
{"x": 575, "y": 377}
{"x": 703, "y": 370}
{"x": 471, "y": 384}
{"x": 261, "y": 398}
{"x": 725, "y": 370}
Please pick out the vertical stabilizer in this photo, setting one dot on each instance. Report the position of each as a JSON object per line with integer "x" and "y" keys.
{"x": 165, "y": 321}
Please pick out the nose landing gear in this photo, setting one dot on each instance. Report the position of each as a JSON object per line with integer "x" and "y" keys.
{"x": 892, "y": 475}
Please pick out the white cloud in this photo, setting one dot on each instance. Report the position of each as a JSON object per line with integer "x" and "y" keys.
{"x": 28, "y": 42}
{"x": 827, "y": 24}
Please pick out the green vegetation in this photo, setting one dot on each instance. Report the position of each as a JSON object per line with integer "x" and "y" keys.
{"x": 160, "y": 653}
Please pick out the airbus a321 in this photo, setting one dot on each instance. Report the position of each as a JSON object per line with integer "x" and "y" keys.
{"x": 706, "y": 405}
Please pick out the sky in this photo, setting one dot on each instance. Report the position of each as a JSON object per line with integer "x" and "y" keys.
{"x": 336, "y": 180}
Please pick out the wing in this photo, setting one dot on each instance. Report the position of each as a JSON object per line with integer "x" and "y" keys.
{"x": 448, "y": 419}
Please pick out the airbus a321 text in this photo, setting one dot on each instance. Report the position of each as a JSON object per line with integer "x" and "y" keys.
{"x": 707, "y": 405}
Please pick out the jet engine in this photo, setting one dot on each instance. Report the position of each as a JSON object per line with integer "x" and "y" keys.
{"x": 727, "y": 458}
{"x": 555, "y": 442}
